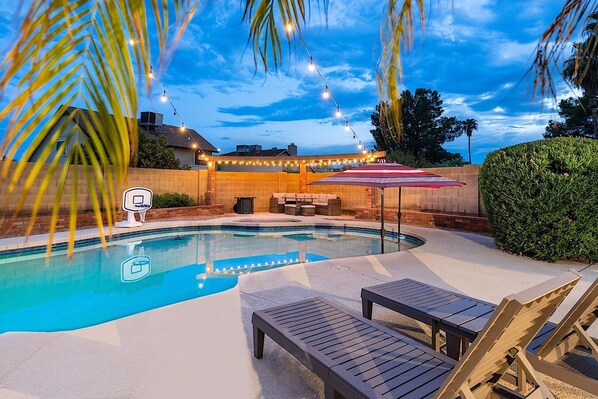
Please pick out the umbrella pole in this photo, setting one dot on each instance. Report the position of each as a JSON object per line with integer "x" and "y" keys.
{"x": 399, "y": 221}
{"x": 382, "y": 220}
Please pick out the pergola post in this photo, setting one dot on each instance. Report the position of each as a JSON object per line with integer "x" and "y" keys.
{"x": 302, "y": 178}
{"x": 211, "y": 190}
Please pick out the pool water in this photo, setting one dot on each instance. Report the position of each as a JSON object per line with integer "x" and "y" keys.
{"x": 146, "y": 272}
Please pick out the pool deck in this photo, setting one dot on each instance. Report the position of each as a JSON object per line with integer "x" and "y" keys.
{"x": 202, "y": 348}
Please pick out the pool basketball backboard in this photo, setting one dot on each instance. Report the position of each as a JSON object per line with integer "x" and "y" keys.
{"x": 137, "y": 199}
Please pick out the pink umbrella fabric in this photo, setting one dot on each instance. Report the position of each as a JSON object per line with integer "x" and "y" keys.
{"x": 384, "y": 175}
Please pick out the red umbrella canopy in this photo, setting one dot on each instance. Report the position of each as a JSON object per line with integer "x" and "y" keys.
{"x": 383, "y": 175}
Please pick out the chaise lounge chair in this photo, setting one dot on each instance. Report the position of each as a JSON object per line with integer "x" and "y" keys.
{"x": 462, "y": 318}
{"x": 356, "y": 358}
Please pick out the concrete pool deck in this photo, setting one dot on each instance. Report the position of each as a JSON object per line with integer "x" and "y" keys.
{"x": 202, "y": 348}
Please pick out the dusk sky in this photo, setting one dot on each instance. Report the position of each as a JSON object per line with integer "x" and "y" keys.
{"x": 475, "y": 54}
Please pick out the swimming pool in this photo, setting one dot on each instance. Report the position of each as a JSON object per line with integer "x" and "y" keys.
{"x": 155, "y": 268}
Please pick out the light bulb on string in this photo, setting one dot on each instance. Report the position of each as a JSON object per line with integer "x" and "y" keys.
{"x": 326, "y": 93}
{"x": 359, "y": 145}
{"x": 338, "y": 112}
{"x": 312, "y": 64}
{"x": 151, "y": 73}
{"x": 347, "y": 127}
{"x": 182, "y": 128}
{"x": 164, "y": 98}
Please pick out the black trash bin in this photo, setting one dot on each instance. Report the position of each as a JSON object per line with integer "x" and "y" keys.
{"x": 244, "y": 205}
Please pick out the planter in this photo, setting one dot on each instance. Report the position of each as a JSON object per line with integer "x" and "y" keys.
{"x": 473, "y": 224}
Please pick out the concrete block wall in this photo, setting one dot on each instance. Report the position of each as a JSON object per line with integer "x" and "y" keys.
{"x": 462, "y": 200}
{"x": 253, "y": 184}
{"x": 262, "y": 185}
{"x": 193, "y": 183}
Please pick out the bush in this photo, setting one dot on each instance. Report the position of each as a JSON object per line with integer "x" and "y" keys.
{"x": 542, "y": 198}
{"x": 172, "y": 200}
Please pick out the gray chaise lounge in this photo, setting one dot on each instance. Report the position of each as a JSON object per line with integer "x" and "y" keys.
{"x": 357, "y": 358}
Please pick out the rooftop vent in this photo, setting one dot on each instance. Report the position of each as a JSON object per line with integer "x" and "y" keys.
{"x": 151, "y": 119}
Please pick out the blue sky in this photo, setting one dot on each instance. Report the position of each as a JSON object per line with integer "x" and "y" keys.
{"x": 475, "y": 53}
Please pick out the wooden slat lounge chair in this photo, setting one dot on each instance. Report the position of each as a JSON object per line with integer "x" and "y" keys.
{"x": 357, "y": 358}
{"x": 462, "y": 318}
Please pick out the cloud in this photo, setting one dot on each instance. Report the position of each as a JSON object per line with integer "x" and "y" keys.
{"x": 507, "y": 52}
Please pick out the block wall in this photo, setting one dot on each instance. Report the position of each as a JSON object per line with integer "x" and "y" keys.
{"x": 228, "y": 185}
{"x": 191, "y": 182}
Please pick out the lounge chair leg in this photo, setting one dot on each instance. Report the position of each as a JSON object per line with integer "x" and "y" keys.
{"x": 330, "y": 393}
{"x": 435, "y": 336}
{"x": 258, "y": 343}
{"x": 366, "y": 307}
{"x": 453, "y": 346}
{"x": 530, "y": 374}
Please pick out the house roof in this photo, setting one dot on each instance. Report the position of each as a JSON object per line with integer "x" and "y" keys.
{"x": 273, "y": 152}
{"x": 174, "y": 136}
{"x": 178, "y": 139}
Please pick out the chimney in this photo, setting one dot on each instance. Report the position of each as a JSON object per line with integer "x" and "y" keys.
{"x": 292, "y": 148}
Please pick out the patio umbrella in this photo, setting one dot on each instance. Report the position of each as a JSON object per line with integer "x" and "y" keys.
{"x": 383, "y": 175}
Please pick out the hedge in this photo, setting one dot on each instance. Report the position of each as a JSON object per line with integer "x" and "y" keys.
{"x": 542, "y": 198}
{"x": 172, "y": 200}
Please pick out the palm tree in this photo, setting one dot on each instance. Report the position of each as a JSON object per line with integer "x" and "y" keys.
{"x": 76, "y": 52}
{"x": 469, "y": 125}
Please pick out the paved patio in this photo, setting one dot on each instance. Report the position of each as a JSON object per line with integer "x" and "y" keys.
{"x": 202, "y": 348}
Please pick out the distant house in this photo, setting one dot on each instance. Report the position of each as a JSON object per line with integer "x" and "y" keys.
{"x": 255, "y": 150}
{"x": 188, "y": 145}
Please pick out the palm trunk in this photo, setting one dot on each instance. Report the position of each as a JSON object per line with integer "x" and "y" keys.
{"x": 469, "y": 148}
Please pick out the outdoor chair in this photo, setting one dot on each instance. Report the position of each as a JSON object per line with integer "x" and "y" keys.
{"x": 356, "y": 358}
{"x": 554, "y": 351}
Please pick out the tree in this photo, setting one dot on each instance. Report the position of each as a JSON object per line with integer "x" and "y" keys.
{"x": 424, "y": 128}
{"x": 468, "y": 126}
{"x": 155, "y": 153}
{"x": 68, "y": 52}
{"x": 578, "y": 122}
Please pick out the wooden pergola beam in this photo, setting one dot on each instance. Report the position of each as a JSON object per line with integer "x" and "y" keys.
{"x": 303, "y": 159}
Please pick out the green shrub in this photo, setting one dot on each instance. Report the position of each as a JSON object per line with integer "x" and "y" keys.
{"x": 542, "y": 198}
{"x": 172, "y": 200}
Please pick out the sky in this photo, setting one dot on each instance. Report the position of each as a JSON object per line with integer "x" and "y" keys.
{"x": 473, "y": 52}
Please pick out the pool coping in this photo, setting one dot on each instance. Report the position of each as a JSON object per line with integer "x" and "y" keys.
{"x": 37, "y": 243}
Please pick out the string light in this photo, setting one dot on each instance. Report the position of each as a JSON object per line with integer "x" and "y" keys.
{"x": 312, "y": 66}
{"x": 164, "y": 98}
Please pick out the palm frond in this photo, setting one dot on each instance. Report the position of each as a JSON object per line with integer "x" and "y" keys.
{"x": 266, "y": 19}
{"x": 555, "y": 42}
{"x": 76, "y": 53}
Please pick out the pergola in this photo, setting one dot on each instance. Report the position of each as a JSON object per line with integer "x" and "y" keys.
{"x": 302, "y": 162}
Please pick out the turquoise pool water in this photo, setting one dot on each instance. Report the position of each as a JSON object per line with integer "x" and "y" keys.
{"x": 138, "y": 273}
